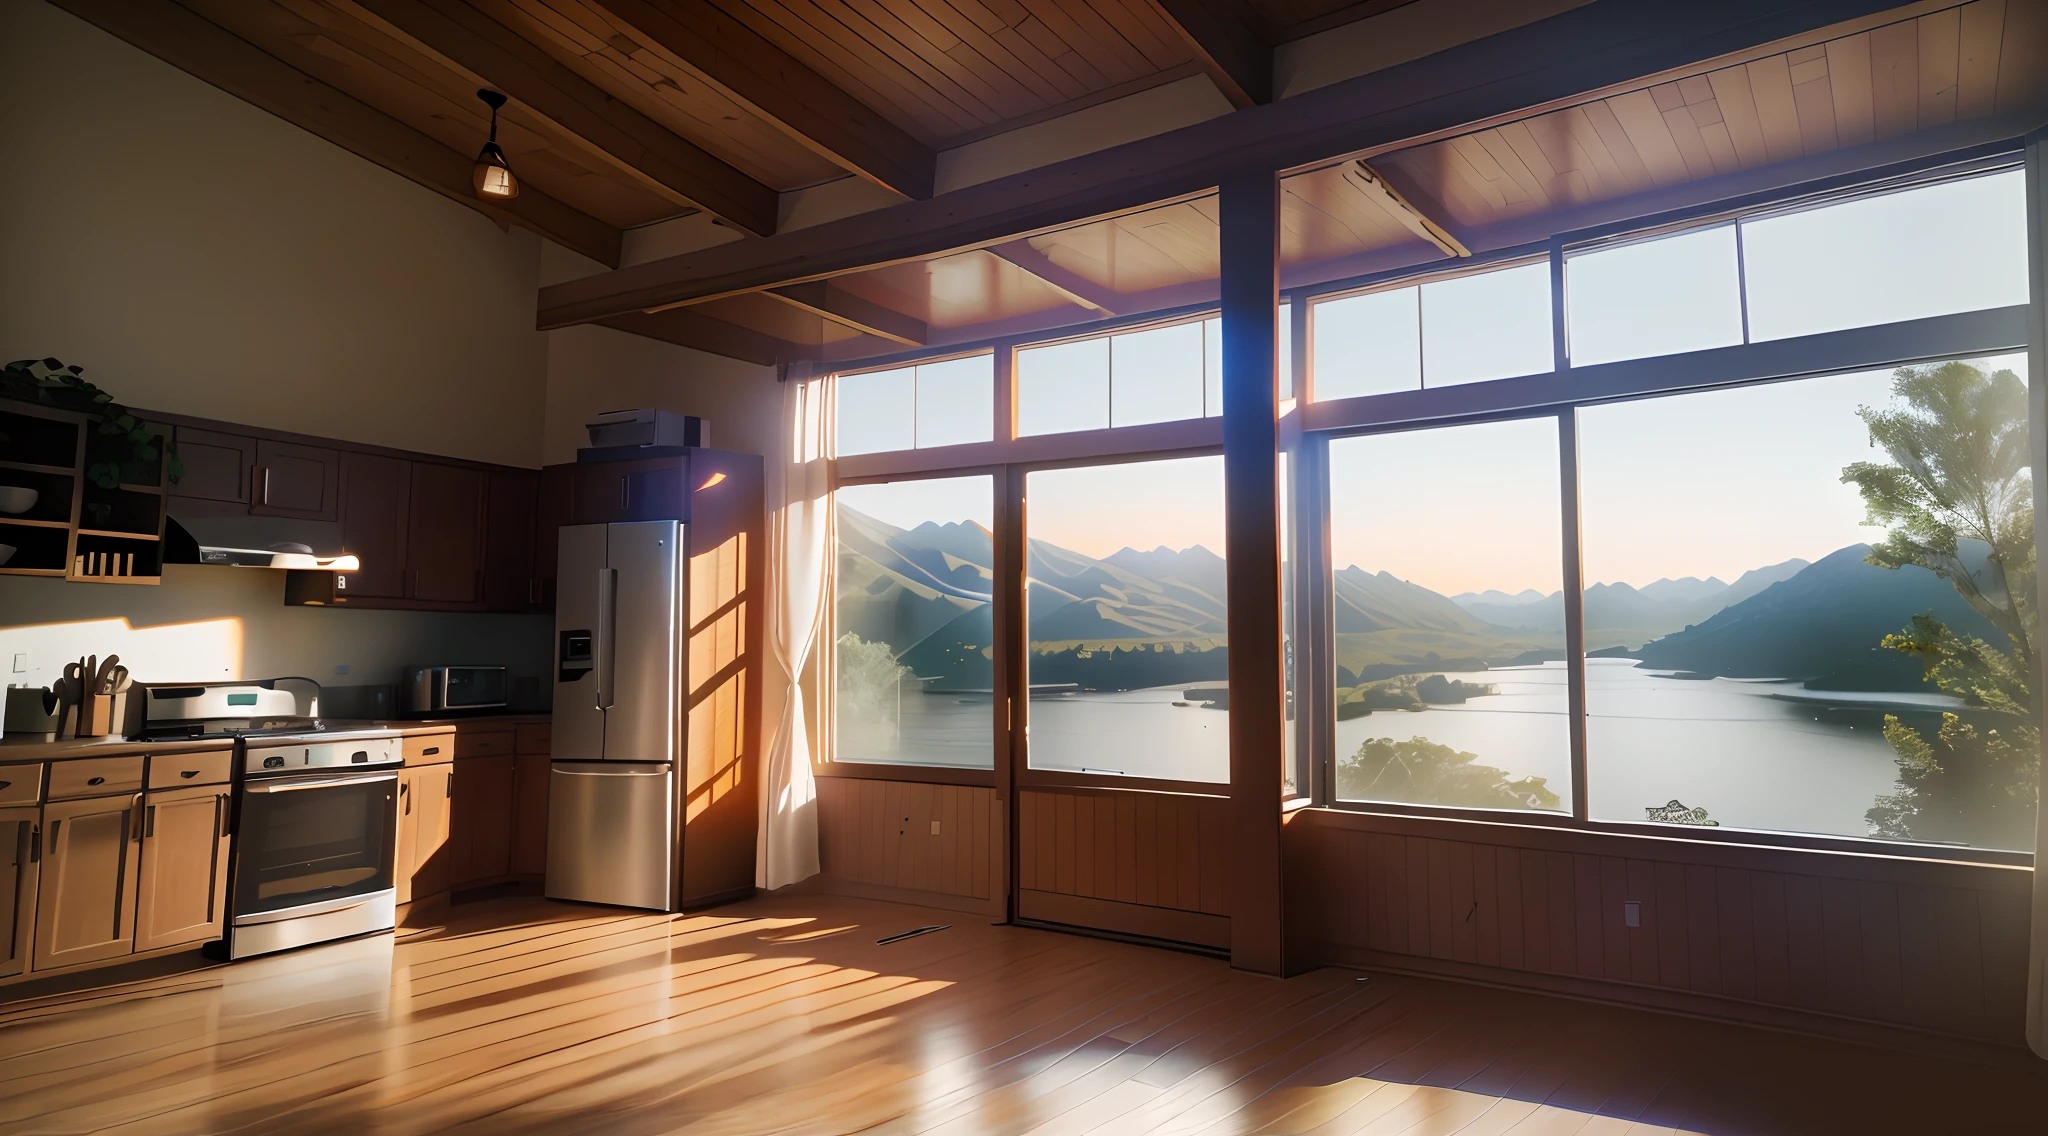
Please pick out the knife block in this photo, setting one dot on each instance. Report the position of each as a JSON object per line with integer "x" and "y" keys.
{"x": 95, "y": 716}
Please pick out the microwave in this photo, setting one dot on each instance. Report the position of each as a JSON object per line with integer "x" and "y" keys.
{"x": 431, "y": 690}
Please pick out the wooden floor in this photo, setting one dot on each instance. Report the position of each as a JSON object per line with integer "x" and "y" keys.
{"x": 784, "y": 1016}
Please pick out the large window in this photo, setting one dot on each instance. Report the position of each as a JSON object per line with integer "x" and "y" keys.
{"x": 1771, "y": 569}
{"x": 914, "y": 656}
{"x": 1930, "y": 251}
{"x": 1155, "y": 374}
{"x": 946, "y": 403}
{"x": 1450, "y": 681}
{"x": 1127, "y": 667}
{"x": 1466, "y": 329}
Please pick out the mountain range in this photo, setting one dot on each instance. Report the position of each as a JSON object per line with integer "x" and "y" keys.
{"x": 925, "y": 591}
{"x": 1623, "y": 615}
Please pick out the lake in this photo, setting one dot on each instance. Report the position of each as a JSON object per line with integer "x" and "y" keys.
{"x": 1754, "y": 754}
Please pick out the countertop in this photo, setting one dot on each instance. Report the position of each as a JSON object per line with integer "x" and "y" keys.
{"x": 33, "y": 747}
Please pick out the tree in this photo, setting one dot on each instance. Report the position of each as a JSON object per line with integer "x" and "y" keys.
{"x": 1958, "y": 480}
{"x": 1425, "y": 772}
{"x": 867, "y": 687}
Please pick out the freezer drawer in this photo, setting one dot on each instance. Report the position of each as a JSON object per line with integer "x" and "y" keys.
{"x": 612, "y": 833}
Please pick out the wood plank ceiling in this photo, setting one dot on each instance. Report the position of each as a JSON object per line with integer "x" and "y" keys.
{"x": 1932, "y": 81}
{"x": 629, "y": 112}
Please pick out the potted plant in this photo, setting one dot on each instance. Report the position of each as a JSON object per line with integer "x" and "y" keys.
{"x": 127, "y": 444}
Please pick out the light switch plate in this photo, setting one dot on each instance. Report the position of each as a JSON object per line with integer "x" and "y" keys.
{"x": 935, "y": 828}
{"x": 20, "y": 662}
{"x": 1632, "y": 913}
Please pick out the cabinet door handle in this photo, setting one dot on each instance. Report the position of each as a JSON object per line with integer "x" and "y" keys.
{"x": 622, "y": 494}
{"x": 430, "y": 751}
{"x": 149, "y": 823}
{"x": 188, "y": 774}
{"x": 405, "y": 798}
{"x": 415, "y": 583}
{"x": 266, "y": 485}
{"x": 224, "y": 814}
{"x": 451, "y": 783}
{"x": 55, "y": 827}
{"x": 35, "y": 843}
{"x": 95, "y": 780}
{"x": 137, "y": 812}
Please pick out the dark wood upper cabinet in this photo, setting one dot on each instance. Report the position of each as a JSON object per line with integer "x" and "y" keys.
{"x": 376, "y": 499}
{"x": 649, "y": 490}
{"x": 445, "y": 541}
{"x": 295, "y": 481}
{"x": 217, "y": 466}
{"x": 511, "y": 582}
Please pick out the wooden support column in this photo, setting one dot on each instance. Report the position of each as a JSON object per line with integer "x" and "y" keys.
{"x": 2037, "y": 415}
{"x": 1250, "y": 214}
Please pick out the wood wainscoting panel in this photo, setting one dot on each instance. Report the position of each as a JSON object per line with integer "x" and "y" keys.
{"x": 1937, "y": 946}
{"x": 1157, "y": 849}
{"x": 880, "y": 834}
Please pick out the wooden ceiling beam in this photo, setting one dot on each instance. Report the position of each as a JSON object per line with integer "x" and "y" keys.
{"x": 210, "y": 53}
{"x": 753, "y": 71}
{"x": 1516, "y": 72}
{"x": 1079, "y": 289}
{"x": 501, "y": 58}
{"x": 1227, "y": 44}
{"x": 830, "y": 301}
{"x": 700, "y": 332}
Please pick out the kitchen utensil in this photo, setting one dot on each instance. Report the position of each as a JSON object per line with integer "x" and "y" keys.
{"x": 103, "y": 678}
{"x": 32, "y": 710}
{"x": 17, "y": 498}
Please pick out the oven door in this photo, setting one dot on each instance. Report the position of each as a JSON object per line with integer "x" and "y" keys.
{"x": 305, "y": 845}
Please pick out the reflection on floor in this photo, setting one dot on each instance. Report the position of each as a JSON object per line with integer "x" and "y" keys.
{"x": 784, "y": 1015}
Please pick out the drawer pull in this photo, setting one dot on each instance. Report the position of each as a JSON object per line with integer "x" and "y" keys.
{"x": 95, "y": 780}
{"x": 188, "y": 773}
{"x": 4, "y": 784}
{"x": 430, "y": 751}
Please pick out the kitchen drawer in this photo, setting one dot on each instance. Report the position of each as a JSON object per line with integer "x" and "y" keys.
{"x": 536, "y": 738}
{"x": 429, "y": 749}
{"x": 171, "y": 770}
{"x": 483, "y": 743}
{"x": 20, "y": 784}
{"x": 95, "y": 777}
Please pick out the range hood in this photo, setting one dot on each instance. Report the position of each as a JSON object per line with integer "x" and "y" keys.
{"x": 193, "y": 535}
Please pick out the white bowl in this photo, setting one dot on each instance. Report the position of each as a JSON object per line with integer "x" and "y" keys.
{"x": 6, "y": 553}
{"x": 16, "y": 499}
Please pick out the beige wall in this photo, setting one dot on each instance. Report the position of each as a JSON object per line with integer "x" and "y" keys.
{"x": 197, "y": 255}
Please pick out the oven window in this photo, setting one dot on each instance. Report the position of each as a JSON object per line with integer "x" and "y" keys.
{"x": 307, "y": 845}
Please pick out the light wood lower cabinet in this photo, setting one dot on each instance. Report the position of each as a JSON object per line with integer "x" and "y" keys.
{"x": 425, "y": 793}
{"x": 530, "y": 814}
{"x": 184, "y": 888}
{"x": 481, "y": 831}
{"x": 20, "y": 856}
{"x": 85, "y": 903}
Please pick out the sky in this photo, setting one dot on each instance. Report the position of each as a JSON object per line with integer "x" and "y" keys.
{"x": 1712, "y": 483}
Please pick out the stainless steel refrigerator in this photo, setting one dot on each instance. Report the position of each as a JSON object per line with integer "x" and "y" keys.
{"x": 614, "y": 825}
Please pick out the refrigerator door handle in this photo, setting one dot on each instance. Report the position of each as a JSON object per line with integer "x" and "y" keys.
{"x": 607, "y": 634}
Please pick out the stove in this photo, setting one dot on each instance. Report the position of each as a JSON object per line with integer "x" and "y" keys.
{"x": 314, "y": 815}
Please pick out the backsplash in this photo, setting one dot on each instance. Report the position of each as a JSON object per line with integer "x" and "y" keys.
{"x": 208, "y": 623}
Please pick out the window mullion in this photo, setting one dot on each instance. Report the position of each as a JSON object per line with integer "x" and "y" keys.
{"x": 1574, "y": 604}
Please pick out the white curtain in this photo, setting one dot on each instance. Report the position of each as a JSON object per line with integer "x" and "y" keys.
{"x": 800, "y": 531}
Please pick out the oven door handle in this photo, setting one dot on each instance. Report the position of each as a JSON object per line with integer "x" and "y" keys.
{"x": 315, "y": 783}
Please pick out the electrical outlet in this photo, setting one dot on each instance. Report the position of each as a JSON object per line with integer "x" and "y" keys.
{"x": 1632, "y": 913}
{"x": 342, "y": 669}
{"x": 935, "y": 828}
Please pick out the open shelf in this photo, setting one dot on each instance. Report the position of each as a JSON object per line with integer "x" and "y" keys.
{"x": 108, "y": 534}
{"x": 47, "y": 440}
{"x": 33, "y": 467}
{"x": 37, "y": 547}
{"x": 26, "y": 522}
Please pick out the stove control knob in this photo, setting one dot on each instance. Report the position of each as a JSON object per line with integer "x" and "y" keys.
{"x": 273, "y": 763}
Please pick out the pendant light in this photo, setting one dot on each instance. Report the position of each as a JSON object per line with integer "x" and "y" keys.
{"x": 493, "y": 177}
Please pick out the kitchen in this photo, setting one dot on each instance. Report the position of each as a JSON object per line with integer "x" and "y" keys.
{"x": 405, "y": 423}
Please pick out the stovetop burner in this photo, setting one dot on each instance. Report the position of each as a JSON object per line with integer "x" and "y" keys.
{"x": 208, "y": 728}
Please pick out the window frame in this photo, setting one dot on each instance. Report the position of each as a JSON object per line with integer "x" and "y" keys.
{"x": 1307, "y": 426}
{"x": 1564, "y": 390}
